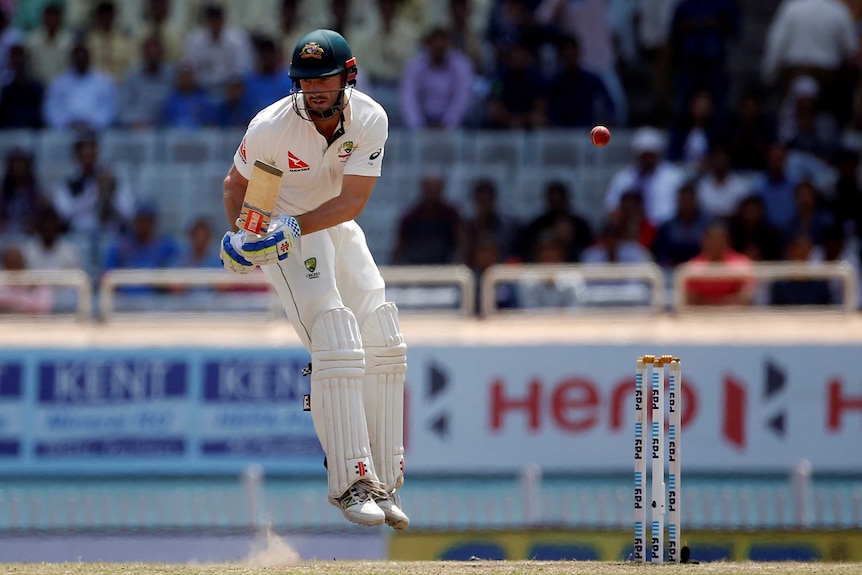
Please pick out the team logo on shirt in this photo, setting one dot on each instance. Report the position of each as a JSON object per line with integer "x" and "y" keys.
{"x": 311, "y": 50}
{"x": 345, "y": 150}
{"x": 311, "y": 265}
{"x": 242, "y": 152}
{"x": 295, "y": 164}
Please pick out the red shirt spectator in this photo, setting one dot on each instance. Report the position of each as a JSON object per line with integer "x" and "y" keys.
{"x": 735, "y": 289}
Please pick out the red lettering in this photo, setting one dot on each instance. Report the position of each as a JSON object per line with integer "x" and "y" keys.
{"x": 622, "y": 401}
{"x": 575, "y": 395}
{"x": 689, "y": 404}
{"x": 500, "y": 404}
{"x": 838, "y": 403}
{"x": 734, "y": 412}
{"x": 622, "y": 398}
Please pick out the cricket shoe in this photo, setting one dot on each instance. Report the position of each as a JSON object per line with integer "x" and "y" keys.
{"x": 390, "y": 503}
{"x": 357, "y": 504}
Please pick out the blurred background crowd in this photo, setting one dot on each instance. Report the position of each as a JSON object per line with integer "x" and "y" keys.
{"x": 736, "y": 129}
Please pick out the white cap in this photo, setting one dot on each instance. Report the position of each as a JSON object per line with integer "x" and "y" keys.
{"x": 647, "y": 139}
{"x": 805, "y": 87}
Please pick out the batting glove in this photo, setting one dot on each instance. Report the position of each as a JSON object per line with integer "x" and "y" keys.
{"x": 232, "y": 257}
{"x": 277, "y": 245}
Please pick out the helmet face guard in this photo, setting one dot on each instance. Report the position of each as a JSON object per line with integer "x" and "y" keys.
{"x": 322, "y": 54}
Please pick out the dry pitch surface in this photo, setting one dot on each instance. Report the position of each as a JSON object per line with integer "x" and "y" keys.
{"x": 432, "y": 568}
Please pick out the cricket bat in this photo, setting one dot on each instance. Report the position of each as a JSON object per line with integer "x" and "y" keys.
{"x": 260, "y": 197}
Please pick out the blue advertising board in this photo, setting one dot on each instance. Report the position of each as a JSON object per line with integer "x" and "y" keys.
{"x": 155, "y": 411}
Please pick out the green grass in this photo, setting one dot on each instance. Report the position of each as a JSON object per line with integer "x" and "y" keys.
{"x": 431, "y": 568}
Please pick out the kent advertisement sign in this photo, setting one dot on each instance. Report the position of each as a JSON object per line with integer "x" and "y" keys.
{"x": 124, "y": 411}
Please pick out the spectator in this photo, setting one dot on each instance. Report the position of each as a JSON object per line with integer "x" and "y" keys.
{"x": 721, "y": 188}
{"x": 803, "y": 125}
{"x": 835, "y": 248}
{"x": 291, "y": 28}
{"x": 577, "y": 98}
{"x": 847, "y": 192}
{"x": 750, "y": 133}
{"x": 146, "y": 88}
{"x": 95, "y": 198}
{"x": 678, "y": 239}
{"x": 81, "y": 97}
{"x": 35, "y": 300}
{"x": 613, "y": 247}
{"x": 199, "y": 251}
{"x": 812, "y": 216}
{"x": 21, "y": 196}
{"x": 49, "y": 46}
{"x": 484, "y": 252}
{"x": 111, "y": 49}
{"x": 47, "y": 249}
{"x": 142, "y": 247}
{"x": 589, "y": 22}
{"x": 632, "y": 221}
{"x": 656, "y": 180}
{"x": 217, "y": 52}
{"x": 383, "y": 50}
{"x": 268, "y": 82}
{"x": 692, "y": 136}
{"x": 776, "y": 187}
{"x": 436, "y": 88}
{"x": 9, "y": 37}
{"x": 653, "y": 27}
{"x": 466, "y": 37}
{"x": 21, "y": 98}
{"x": 188, "y": 105}
{"x": 555, "y": 292}
{"x": 811, "y": 37}
{"x": 800, "y": 291}
{"x": 700, "y": 32}
{"x": 229, "y": 110}
{"x": 428, "y": 232}
{"x": 514, "y": 22}
{"x": 518, "y": 98}
{"x": 567, "y": 226}
{"x": 339, "y": 17}
{"x": 736, "y": 289}
{"x": 157, "y": 23}
{"x": 751, "y": 234}
{"x": 487, "y": 222}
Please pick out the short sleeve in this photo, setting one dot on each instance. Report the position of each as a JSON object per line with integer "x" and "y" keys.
{"x": 368, "y": 158}
{"x": 251, "y": 148}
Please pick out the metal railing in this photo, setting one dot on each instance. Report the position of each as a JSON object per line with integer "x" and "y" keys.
{"x": 72, "y": 279}
{"x": 629, "y": 279}
{"x": 767, "y": 272}
{"x": 460, "y": 277}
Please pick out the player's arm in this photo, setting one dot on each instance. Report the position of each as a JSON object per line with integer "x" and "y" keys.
{"x": 355, "y": 191}
{"x": 235, "y": 185}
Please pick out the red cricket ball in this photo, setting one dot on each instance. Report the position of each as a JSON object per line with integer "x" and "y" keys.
{"x": 600, "y": 136}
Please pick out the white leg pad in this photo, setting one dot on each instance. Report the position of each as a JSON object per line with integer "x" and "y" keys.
{"x": 383, "y": 391}
{"x": 338, "y": 366}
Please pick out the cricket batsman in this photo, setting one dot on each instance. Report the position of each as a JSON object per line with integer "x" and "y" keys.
{"x": 328, "y": 139}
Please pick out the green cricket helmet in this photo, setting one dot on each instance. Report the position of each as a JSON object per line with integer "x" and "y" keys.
{"x": 320, "y": 54}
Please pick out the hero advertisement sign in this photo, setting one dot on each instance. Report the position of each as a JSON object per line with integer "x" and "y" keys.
{"x": 572, "y": 408}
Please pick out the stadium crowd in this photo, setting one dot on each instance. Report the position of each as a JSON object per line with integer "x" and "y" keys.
{"x": 723, "y": 168}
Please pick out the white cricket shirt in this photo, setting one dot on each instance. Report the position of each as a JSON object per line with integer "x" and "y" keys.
{"x": 312, "y": 169}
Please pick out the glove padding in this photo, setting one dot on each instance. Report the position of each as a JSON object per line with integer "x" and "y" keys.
{"x": 232, "y": 257}
{"x": 281, "y": 240}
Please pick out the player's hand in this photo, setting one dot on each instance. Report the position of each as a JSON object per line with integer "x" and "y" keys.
{"x": 277, "y": 245}
{"x": 232, "y": 257}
